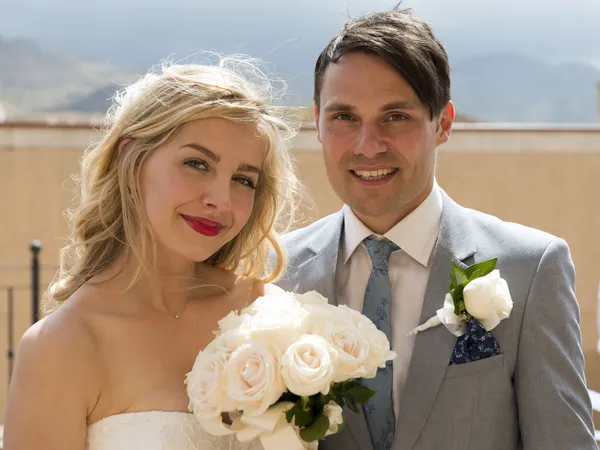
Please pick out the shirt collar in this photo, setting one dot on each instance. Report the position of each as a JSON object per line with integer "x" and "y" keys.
{"x": 416, "y": 234}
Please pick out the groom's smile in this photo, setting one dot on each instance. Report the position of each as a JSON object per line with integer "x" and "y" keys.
{"x": 374, "y": 174}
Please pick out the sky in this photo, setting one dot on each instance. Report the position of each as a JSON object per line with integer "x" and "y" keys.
{"x": 290, "y": 34}
{"x": 550, "y": 29}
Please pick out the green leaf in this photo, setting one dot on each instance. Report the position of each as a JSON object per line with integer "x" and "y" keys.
{"x": 459, "y": 307}
{"x": 360, "y": 394}
{"x": 458, "y": 274}
{"x": 301, "y": 417}
{"x": 289, "y": 415}
{"x": 456, "y": 294}
{"x": 335, "y": 386}
{"x": 340, "y": 400}
{"x": 351, "y": 403}
{"x": 288, "y": 397}
{"x": 481, "y": 269}
{"x": 346, "y": 385}
{"x": 306, "y": 403}
{"x": 316, "y": 431}
{"x": 453, "y": 280}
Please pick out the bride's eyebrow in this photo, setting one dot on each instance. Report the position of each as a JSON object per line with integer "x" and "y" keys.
{"x": 216, "y": 158}
{"x": 250, "y": 168}
{"x": 245, "y": 167}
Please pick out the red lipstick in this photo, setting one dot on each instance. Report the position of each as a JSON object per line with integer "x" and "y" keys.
{"x": 203, "y": 226}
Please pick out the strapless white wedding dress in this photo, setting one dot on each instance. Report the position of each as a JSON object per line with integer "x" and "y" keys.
{"x": 156, "y": 430}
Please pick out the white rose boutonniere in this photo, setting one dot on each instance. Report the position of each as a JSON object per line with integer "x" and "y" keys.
{"x": 477, "y": 292}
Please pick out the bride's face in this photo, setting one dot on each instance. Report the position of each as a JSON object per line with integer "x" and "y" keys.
{"x": 198, "y": 189}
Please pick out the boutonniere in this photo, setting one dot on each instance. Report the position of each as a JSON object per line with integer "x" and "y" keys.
{"x": 477, "y": 292}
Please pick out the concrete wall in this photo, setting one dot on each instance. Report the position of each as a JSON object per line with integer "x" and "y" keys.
{"x": 544, "y": 177}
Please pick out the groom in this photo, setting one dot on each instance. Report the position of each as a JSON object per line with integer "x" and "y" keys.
{"x": 382, "y": 106}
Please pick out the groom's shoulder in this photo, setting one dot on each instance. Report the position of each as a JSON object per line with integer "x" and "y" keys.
{"x": 300, "y": 238}
{"x": 511, "y": 236}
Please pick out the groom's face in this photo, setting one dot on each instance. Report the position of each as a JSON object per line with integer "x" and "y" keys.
{"x": 379, "y": 140}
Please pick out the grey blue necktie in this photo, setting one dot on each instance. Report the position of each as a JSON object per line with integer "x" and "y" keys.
{"x": 379, "y": 410}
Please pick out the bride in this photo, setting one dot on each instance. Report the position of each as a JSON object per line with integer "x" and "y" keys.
{"x": 177, "y": 215}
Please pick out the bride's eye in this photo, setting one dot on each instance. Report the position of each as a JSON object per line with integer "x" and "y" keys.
{"x": 244, "y": 181}
{"x": 196, "y": 164}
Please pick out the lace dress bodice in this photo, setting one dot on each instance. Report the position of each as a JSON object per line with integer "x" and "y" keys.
{"x": 156, "y": 430}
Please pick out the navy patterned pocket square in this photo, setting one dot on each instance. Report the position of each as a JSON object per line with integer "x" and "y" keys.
{"x": 477, "y": 343}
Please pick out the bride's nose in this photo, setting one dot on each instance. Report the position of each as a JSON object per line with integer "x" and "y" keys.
{"x": 218, "y": 196}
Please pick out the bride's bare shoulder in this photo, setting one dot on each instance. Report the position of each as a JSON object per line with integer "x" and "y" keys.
{"x": 63, "y": 347}
{"x": 65, "y": 331}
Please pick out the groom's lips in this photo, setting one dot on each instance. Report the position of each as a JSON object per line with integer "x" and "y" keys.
{"x": 374, "y": 183}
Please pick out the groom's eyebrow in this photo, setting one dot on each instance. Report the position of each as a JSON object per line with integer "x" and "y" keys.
{"x": 345, "y": 107}
{"x": 337, "y": 106}
{"x": 398, "y": 105}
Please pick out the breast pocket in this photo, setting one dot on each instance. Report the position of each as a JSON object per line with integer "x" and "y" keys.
{"x": 460, "y": 370}
{"x": 464, "y": 391}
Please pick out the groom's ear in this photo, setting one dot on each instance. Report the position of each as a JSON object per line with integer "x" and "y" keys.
{"x": 316, "y": 114}
{"x": 444, "y": 126}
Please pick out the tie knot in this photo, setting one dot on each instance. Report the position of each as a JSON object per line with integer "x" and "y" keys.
{"x": 380, "y": 251}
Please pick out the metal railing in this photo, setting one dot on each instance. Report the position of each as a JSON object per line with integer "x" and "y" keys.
{"x": 34, "y": 269}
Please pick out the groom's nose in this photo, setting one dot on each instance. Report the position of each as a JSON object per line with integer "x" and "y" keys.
{"x": 369, "y": 141}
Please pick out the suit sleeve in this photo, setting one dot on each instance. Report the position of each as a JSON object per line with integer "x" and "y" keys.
{"x": 555, "y": 410}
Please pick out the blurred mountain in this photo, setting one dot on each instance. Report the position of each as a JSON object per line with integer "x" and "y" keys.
{"x": 33, "y": 79}
{"x": 96, "y": 102}
{"x": 511, "y": 88}
{"x": 499, "y": 87}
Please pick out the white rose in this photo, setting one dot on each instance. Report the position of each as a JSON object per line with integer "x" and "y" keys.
{"x": 278, "y": 300}
{"x": 311, "y": 298}
{"x": 230, "y": 340}
{"x": 334, "y": 413}
{"x": 379, "y": 346}
{"x": 488, "y": 299}
{"x": 233, "y": 321}
{"x": 277, "y": 322}
{"x": 253, "y": 378}
{"x": 350, "y": 314}
{"x": 351, "y": 346}
{"x": 204, "y": 384}
{"x": 319, "y": 315}
{"x": 307, "y": 366}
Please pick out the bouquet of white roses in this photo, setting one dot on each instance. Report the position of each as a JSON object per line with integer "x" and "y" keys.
{"x": 284, "y": 368}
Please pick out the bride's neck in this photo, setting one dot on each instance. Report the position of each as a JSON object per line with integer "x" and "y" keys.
{"x": 167, "y": 286}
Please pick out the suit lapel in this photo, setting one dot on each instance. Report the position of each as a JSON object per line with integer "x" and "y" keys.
{"x": 433, "y": 348}
{"x": 318, "y": 273}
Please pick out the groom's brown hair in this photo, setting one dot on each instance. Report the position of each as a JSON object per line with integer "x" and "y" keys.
{"x": 405, "y": 42}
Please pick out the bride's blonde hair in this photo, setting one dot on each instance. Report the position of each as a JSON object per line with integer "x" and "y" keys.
{"x": 110, "y": 217}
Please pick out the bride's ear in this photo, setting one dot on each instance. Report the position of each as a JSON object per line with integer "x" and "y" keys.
{"x": 122, "y": 144}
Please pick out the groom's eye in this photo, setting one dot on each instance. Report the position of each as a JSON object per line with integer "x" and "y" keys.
{"x": 343, "y": 116}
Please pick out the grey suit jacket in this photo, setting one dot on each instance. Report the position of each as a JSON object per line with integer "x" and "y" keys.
{"x": 531, "y": 396}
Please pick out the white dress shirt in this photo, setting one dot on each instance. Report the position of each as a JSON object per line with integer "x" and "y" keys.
{"x": 409, "y": 269}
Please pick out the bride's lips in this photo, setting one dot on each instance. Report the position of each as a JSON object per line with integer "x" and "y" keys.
{"x": 202, "y": 225}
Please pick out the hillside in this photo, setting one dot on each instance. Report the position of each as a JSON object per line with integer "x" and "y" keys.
{"x": 512, "y": 88}
{"x": 33, "y": 79}
{"x": 492, "y": 88}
